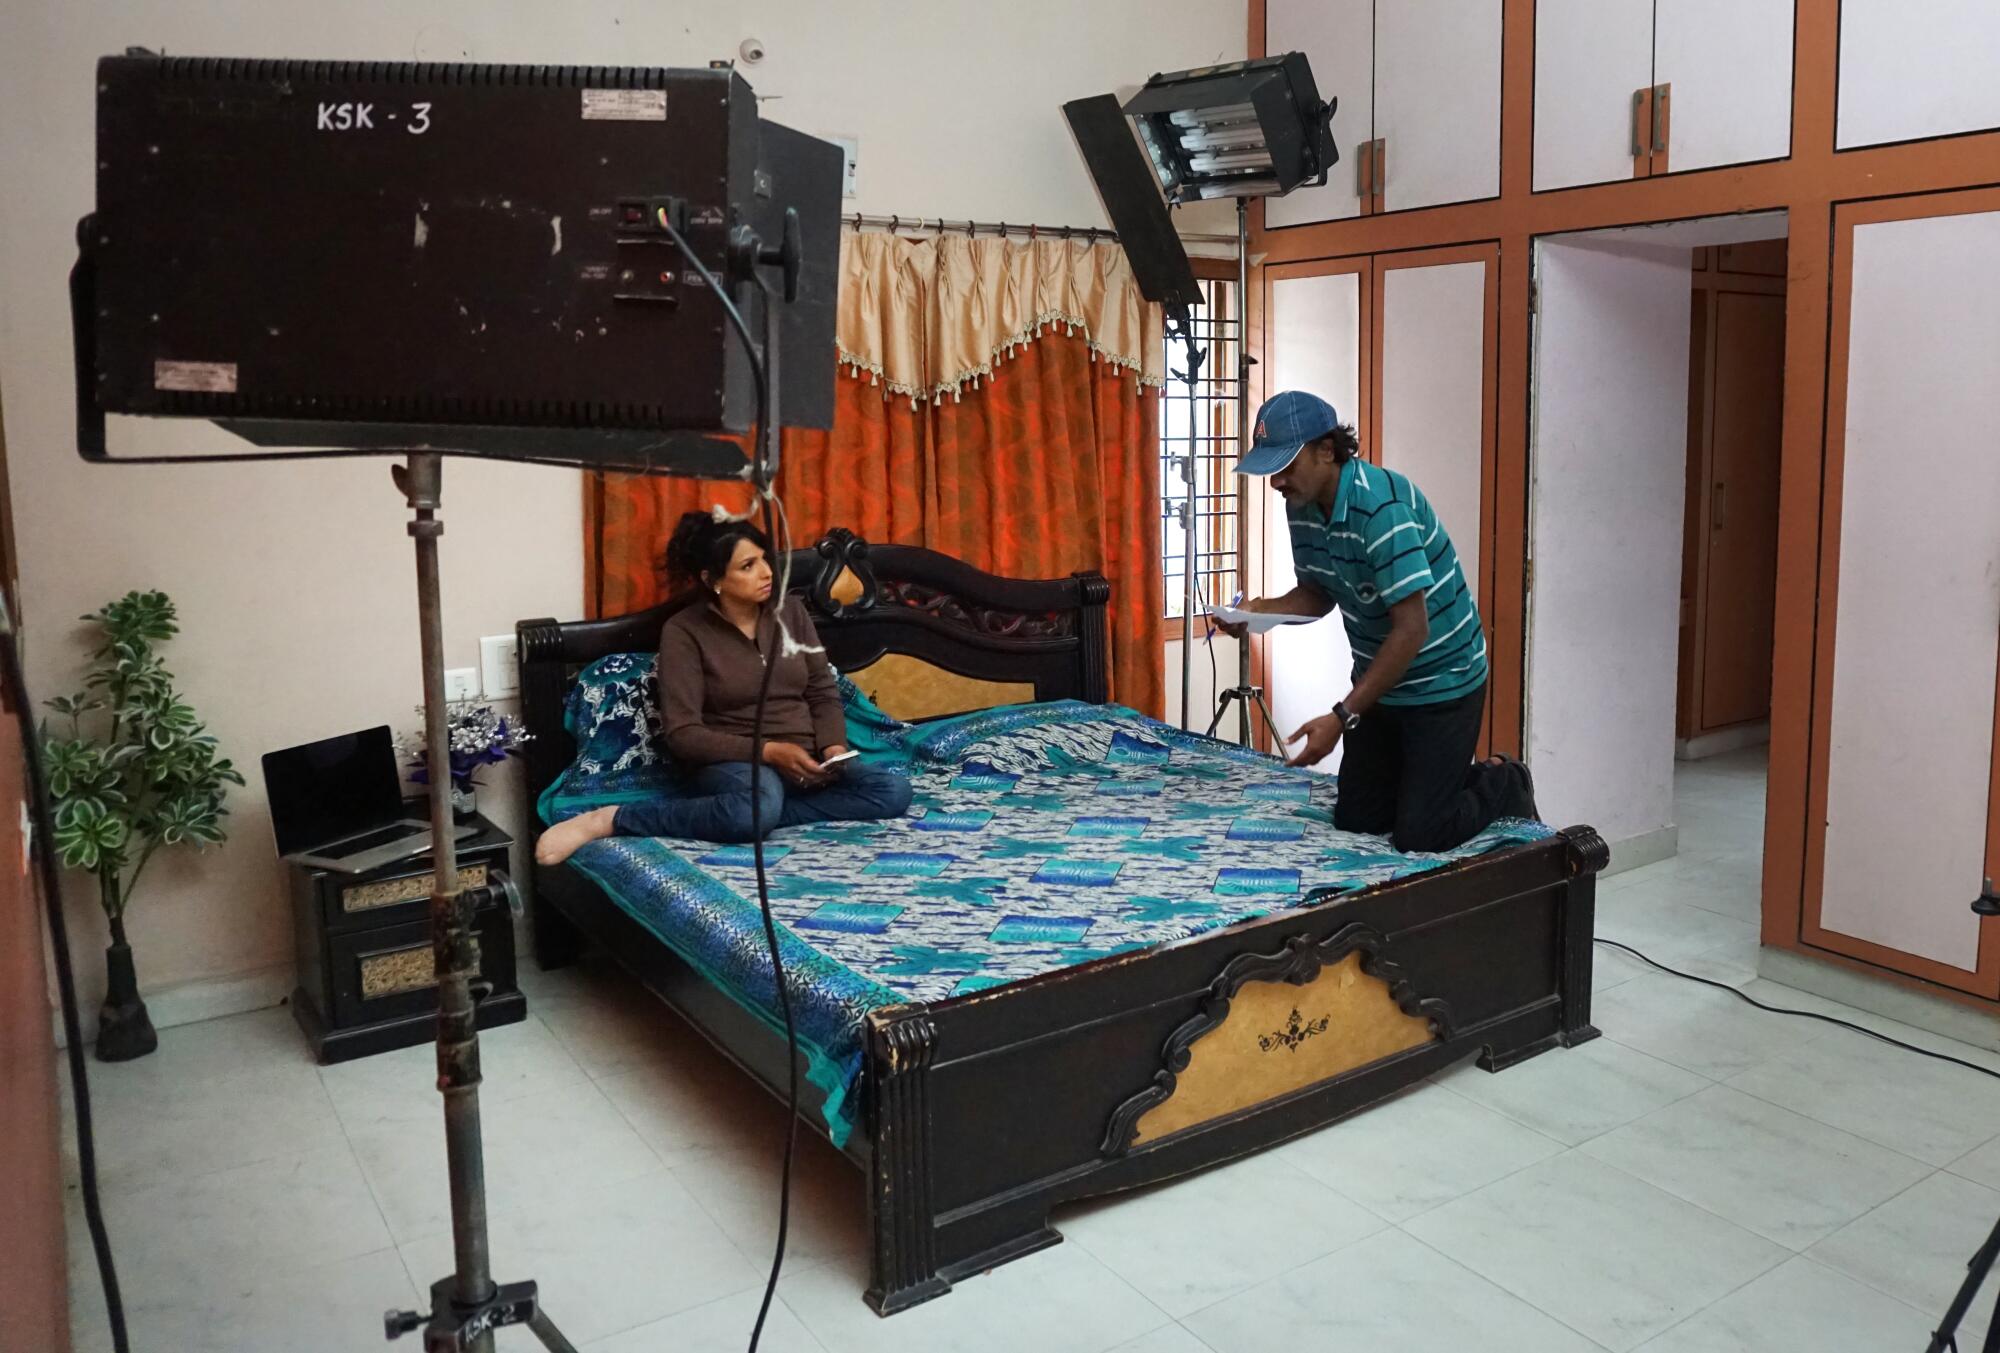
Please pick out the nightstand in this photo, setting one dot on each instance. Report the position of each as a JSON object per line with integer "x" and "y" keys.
{"x": 366, "y": 982}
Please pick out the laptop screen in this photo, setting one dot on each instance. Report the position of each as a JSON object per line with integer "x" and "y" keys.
{"x": 329, "y": 790}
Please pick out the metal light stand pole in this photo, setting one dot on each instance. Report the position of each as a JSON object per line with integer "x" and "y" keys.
{"x": 1190, "y": 377}
{"x": 1946, "y": 1334}
{"x": 467, "y": 1306}
{"x": 1242, "y": 694}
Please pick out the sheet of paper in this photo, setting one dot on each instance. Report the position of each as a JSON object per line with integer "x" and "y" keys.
{"x": 1258, "y": 621}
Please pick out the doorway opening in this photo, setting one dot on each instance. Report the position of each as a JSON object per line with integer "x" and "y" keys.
{"x": 1656, "y": 417}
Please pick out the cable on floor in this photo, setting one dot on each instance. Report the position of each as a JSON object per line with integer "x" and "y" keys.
{"x": 781, "y": 547}
{"x": 1802, "y": 1014}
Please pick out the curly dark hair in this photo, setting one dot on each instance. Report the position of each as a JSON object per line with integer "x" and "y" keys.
{"x": 1343, "y": 441}
{"x": 701, "y": 547}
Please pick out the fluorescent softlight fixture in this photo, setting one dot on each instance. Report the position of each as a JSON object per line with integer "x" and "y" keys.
{"x": 1247, "y": 129}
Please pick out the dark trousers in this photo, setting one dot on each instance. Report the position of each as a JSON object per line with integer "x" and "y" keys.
{"x": 716, "y": 804}
{"x": 1406, "y": 772}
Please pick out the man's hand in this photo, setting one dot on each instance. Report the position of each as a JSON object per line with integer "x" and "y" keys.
{"x": 826, "y": 755}
{"x": 795, "y": 763}
{"x": 1237, "y": 631}
{"x": 1321, "y": 735}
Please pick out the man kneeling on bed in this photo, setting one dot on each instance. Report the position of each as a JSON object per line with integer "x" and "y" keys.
{"x": 712, "y": 656}
{"x": 1365, "y": 539}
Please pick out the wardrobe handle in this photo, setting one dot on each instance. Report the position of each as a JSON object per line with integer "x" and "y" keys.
{"x": 1662, "y": 111}
{"x": 1364, "y": 174}
{"x": 1721, "y": 509}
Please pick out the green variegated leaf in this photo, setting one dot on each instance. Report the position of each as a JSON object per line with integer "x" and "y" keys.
{"x": 157, "y": 777}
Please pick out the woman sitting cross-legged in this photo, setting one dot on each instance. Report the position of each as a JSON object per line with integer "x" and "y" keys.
{"x": 712, "y": 656}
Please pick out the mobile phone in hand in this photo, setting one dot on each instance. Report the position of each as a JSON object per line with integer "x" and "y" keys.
{"x": 830, "y": 762}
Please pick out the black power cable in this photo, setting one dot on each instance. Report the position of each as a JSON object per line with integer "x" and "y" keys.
{"x": 43, "y": 849}
{"x": 779, "y": 593}
{"x": 1982, "y": 1261}
{"x": 1802, "y": 1014}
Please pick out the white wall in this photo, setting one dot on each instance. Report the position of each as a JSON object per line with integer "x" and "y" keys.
{"x": 295, "y": 584}
{"x": 1609, "y": 468}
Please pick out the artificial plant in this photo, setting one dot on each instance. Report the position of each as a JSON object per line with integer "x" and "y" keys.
{"x": 137, "y": 772}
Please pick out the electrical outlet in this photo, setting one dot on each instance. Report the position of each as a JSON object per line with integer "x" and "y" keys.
{"x": 461, "y": 683}
{"x": 500, "y": 665}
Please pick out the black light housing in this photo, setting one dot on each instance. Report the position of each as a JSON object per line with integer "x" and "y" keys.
{"x": 1248, "y": 129}
{"x": 1158, "y": 258}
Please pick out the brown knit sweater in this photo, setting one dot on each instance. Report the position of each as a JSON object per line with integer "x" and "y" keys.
{"x": 708, "y": 677}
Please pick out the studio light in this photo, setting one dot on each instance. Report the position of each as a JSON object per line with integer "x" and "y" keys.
{"x": 1248, "y": 129}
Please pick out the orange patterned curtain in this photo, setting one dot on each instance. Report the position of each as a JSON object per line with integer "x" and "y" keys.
{"x": 996, "y": 402}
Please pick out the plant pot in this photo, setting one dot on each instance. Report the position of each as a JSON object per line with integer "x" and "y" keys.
{"x": 124, "y": 1029}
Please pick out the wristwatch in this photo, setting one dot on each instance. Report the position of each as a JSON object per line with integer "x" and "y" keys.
{"x": 1348, "y": 719}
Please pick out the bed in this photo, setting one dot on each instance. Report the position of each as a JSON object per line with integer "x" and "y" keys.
{"x": 1099, "y": 952}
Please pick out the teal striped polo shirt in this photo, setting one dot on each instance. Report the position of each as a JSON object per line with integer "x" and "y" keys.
{"x": 1380, "y": 544}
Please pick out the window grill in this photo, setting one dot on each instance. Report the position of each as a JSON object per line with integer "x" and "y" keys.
{"x": 1209, "y": 406}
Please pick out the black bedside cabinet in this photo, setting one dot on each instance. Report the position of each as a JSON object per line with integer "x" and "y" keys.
{"x": 366, "y": 981}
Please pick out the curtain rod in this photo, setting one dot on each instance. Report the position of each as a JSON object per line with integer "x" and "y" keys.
{"x": 858, "y": 221}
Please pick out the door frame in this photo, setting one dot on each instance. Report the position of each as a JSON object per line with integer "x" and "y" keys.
{"x": 1362, "y": 267}
{"x": 1799, "y": 628}
{"x": 1716, "y": 281}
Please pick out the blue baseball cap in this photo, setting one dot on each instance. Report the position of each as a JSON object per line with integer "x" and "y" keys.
{"x": 1286, "y": 423}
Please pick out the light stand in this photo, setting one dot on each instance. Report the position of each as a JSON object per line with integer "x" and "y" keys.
{"x": 1946, "y": 1334}
{"x": 188, "y": 254}
{"x": 1181, "y": 326}
{"x": 1243, "y": 694}
{"x": 1246, "y": 129}
{"x": 467, "y": 1306}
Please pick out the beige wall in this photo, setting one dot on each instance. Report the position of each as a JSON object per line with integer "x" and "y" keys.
{"x": 295, "y": 583}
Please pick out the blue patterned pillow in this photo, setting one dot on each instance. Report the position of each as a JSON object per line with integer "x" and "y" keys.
{"x": 614, "y": 715}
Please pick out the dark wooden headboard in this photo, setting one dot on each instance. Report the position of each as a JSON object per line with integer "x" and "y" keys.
{"x": 937, "y": 634}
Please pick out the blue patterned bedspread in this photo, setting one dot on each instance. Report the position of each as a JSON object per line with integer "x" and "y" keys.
{"x": 1042, "y": 836}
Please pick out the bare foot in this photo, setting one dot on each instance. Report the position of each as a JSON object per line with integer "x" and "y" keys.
{"x": 563, "y": 840}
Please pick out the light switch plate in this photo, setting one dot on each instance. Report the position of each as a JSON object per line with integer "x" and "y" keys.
{"x": 461, "y": 683}
{"x": 500, "y": 665}
{"x": 851, "y": 148}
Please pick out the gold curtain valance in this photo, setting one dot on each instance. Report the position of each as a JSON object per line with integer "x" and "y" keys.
{"x": 925, "y": 317}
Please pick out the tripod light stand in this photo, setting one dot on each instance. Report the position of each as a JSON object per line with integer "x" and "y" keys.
{"x": 196, "y": 295}
{"x": 1248, "y": 129}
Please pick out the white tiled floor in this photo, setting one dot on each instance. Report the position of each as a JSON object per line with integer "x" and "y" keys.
{"x": 1704, "y": 1177}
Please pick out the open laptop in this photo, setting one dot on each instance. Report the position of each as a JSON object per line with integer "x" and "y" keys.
{"x": 338, "y": 804}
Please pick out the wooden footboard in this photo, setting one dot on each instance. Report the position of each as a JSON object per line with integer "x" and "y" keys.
{"x": 988, "y": 1111}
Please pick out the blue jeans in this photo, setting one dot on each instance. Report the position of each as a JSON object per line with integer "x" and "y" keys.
{"x": 717, "y": 804}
